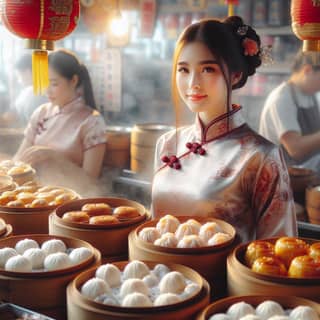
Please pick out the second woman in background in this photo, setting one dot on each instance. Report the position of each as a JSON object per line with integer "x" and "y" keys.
{"x": 65, "y": 138}
{"x": 219, "y": 167}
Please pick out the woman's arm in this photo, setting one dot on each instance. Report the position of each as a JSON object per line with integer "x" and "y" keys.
{"x": 93, "y": 160}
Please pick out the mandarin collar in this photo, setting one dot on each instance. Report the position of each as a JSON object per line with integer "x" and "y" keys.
{"x": 219, "y": 126}
{"x": 72, "y": 106}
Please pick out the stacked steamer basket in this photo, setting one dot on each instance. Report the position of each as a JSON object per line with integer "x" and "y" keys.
{"x": 27, "y": 207}
{"x": 134, "y": 295}
{"x": 42, "y": 286}
{"x": 285, "y": 266}
{"x": 261, "y": 307}
{"x": 207, "y": 259}
{"x": 110, "y": 237}
{"x": 19, "y": 171}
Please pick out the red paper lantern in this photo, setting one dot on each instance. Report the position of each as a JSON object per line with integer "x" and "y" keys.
{"x": 40, "y": 22}
{"x": 306, "y": 23}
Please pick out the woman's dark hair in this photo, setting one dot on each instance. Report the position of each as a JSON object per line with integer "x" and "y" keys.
{"x": 67, "y": 65}
{"x": 225, "y": 40}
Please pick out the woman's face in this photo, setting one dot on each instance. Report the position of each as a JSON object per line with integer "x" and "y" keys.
{"x": 61, "y": 90}
{"x": 200, "y": 81}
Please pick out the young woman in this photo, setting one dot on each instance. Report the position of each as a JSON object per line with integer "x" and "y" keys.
{"x": 67, "y": 134}
{"x": 218, "y": 166}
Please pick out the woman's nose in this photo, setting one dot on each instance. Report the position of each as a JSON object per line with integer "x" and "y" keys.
{"x": 194, "y": 81}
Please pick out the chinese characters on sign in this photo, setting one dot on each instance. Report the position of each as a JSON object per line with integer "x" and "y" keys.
{"x": 147, "y": 13}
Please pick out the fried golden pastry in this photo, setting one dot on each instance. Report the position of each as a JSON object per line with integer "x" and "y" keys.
{"x": 76, "y": 216}
{"x": 97, "y": 209}
{"x": 26, "y": 197}
{"x": 46, "y": 195}
{"x": 29, "y": 188}
{"x": 16, "y": 170}
{"x": 287, "y": 248}
{"x": 38, "y": 203}
{"x": 63, "y": 198}
{"x": 46, "y": 188}
{"x": 9, "y": 193}
{"x": 258, "y": 249}
{"x": 124, "y": 213}
{"x": 314, "y": 251}
{"x": 269, "y": 265}
{"x": 304, "y": 267}
{"x": 103, "y": 220}
{"x": 5, "y": 199}
{"x": 15, "y": 204}
{"x": 57, "y": 192}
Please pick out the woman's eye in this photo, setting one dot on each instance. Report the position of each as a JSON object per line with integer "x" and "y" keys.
{"x": 182, "y": 69}
{"x": 208, "y": 69}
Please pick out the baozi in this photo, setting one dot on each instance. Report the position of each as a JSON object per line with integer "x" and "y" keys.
{"x": 25, "y": 244}
{"x": 240, "y": 309}
{"x": 168, "y": 223}
{"x": 167, "y": 298}
{"x": 209, "y": 229}
{"x": 151, "y": 280}
{"x": 303, "y": 312}
{"x": 160, "y": 270}
{"x": 135, "y": 269}
{"x": 192, "y": 241}
{"x": 79, "y": 255}
{"x": 133, "y": 285}
{"x": 36, "y": 257}
{"x": 58, "y": 260}
{"x": 268, "y": 308}
{"x": 53, "y": 246}
{"x": 173, "y": 282}
{"x": 18, "y": 263}
{"x": 107, "y": 298}
{"x": 149, "y": 234}
{"x": 95, "y": 287}
{"x": 186, "y": 229}
{"x": 136, "y": 299}
{"x": 5, "y": 254}
{"x": 219, "y": 238}
{"x": 109, "y": 273}
{"x": 167, "y": 240}
{"x": 220, "y": 316}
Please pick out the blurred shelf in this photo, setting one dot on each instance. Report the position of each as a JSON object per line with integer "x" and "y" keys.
{"x": 275, "y": 31}
{"x": 276, "y": 68}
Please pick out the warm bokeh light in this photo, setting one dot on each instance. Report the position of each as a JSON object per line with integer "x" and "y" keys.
{"x": 119, "y": 26}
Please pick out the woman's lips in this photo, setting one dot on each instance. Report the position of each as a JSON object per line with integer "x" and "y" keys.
{"x": 196, "y": 97}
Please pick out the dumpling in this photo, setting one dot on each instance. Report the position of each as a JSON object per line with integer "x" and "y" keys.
{"x": 136, "y": 300}
{"x": 240, "y": 309}
{"x": 5, "y": 254}
{"x": 36, "y": 257}
{"x": 194, "y": 223}
{"x": 251, "y": 317}
{"x": 186, "y": 229}
{"x": 95, "y": 287}
{"x": 190, "y": 290}
{"x": 166, "y": 298}
{"x": 133, "y": 285}
{"x": 168, "y": 223}
{"x": 208, "y": 230}
{"x": 150, "y": 234}
{"x": 160, "y": 270}
{"x": 173, "y": 282}
{"x": 109, "y": 273}
{"x": 268, "y": 309}
{"x": 18, "y": 263}
{"x": 219, "y": 238}
{"x": 135, "y": 269}
{"x": 192, "y": 241}
{"x": 53, "y": 246}
{"x": 107, "y": 298}
{"x": 151, "y": 280}
{"x": 303, "y": 312}
{"x": 58, "y": 260}
{"x": 220, "y": 316}
{"x": 168, "y": 240}
{"x": 79, "y": 255}
{"x": 25, "y": 244}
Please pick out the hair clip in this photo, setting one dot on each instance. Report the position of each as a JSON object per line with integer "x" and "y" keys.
{"x": 242, "y": 30}
{"x": 266, "y": 55}
{"x": 250, "y": 46}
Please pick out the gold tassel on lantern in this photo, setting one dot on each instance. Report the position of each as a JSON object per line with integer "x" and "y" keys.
{"x": 40, "y": 74}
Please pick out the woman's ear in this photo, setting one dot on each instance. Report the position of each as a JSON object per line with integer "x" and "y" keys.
{"x": 75, "y": 80}
{"x": 235, "y": 77}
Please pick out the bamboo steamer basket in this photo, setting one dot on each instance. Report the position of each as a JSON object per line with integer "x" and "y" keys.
{"x": 117, "y": 152}
{"x": 81, "y": 308}
{"x": 301, "y": 213}
{"x": 210, "y": 262}
{"x": 143, "y": 142}
{"x": 110, "y": 240}
{"x": 44, "y": 292}
{"x": 287, "y": 302}
{"x": 242, "y": 280}
{"x": 313, "y": 204}
{"x": 29, "y": 220}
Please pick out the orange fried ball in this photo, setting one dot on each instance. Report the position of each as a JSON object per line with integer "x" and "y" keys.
{"x": 304, "y": 267}
{"x": 76, "y": 216}
{"x": 103, "y": 220}
{"x": 124, "y": 213}
{"x": 97, "y": 209}
{"x": 270, "y": 266}
{"x": 258, "y": 249}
